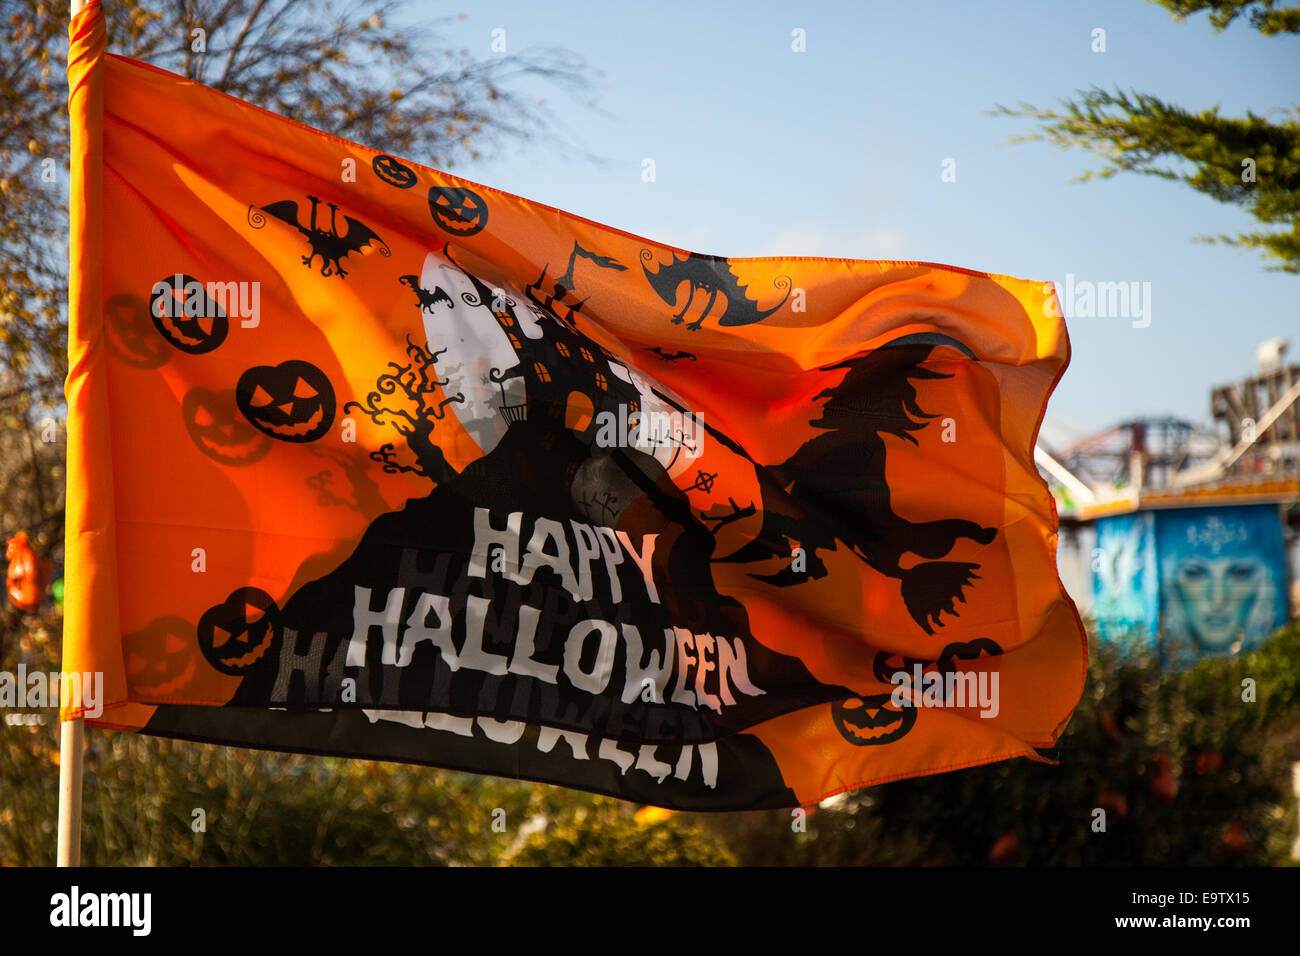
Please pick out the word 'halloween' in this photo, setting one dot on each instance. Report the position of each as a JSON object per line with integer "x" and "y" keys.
{"x": 695, "y": 670}
{"x": 562, "y": 626}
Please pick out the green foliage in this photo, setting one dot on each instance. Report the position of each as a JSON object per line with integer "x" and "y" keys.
{"x": 1187, "y": 772}
{"x": 1267, "y": 16}
{"x": 604, "y": 835}
{"x": 336, "y": 65}
{"x": 1252, "y": 161}
{"x": 345, "y": 68}
{"x": 268, "y": 809}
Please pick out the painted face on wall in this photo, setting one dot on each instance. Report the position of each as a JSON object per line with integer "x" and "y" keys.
{"x": 1217, "y": 596}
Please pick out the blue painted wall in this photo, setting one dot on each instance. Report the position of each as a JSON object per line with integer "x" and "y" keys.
{"x": 1207, "y": 581}
{"x": 1125, "y": 581}
{"x": 1223, "y": 580}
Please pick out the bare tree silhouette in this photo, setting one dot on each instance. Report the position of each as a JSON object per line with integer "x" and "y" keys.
{"x": 407, "y": 399}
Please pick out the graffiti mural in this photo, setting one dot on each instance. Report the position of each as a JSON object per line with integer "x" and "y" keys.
{"x": 1222, "y": 577}
{"x": 1207, "y": 581}
{"x": 1125, "y": 584}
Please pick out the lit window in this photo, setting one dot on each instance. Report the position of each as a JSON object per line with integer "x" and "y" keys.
{"x": 540, "y": 369}
{"x": 601, "y": 383}
{"x": 514, "y": 342}
{"x": 586, "y": 354}
{"x": 562, "y": 349}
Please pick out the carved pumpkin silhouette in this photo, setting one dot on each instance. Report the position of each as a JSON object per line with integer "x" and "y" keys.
{"x": 218, "y": 432}
{"x": 884, "y": 665}
{"x": 28, "y": 575}
{"x": 393, "y": 171}
{"x": 292, "y": 401}
{"x": 161, "y": 659}
{"x": 186, "y": 316}
{"x": 130, "y": 335}
{"x": 871, "y": 721}
{"x": 239, "y": 632}
{"x": 458, "y": 211}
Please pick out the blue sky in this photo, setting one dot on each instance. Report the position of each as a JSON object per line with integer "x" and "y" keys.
{"x": 837, "y": 151}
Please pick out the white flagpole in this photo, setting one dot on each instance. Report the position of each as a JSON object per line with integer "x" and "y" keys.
{"x": 72, "y": 745}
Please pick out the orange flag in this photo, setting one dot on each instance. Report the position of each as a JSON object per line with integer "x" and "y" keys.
{"x": 369, "y": 460}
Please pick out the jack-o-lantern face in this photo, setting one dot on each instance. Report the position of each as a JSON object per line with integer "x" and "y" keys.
{"x": 130, "y": 334}
{"x": 885, "y": 665}
{"x": 393, "y": 171}
{"x": 976, "y": 652}
{"x": 458, "y": 211}
{"x": 28, "y": 575}
{"x": 186, "y": 316}
{"x": 161, "y": 659}
{"x": 292, "y": 401}
{"x": 237, "y": 634}
{"x": 871, "y": 721}
{"x": 218, "y": 432}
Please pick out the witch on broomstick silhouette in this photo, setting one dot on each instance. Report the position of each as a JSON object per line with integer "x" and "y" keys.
{"x": 833, "y": 488}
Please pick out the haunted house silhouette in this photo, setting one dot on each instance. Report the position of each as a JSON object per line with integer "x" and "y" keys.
{"x": 568, "y": 379}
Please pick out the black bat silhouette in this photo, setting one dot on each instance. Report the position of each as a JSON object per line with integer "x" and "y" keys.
{"x": 427, "y": 299}
{"x": 671, "y": 356}
{"x": 326, "y": 243}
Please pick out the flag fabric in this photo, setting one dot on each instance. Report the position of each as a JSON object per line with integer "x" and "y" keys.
{"x": 369, "y": 460}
